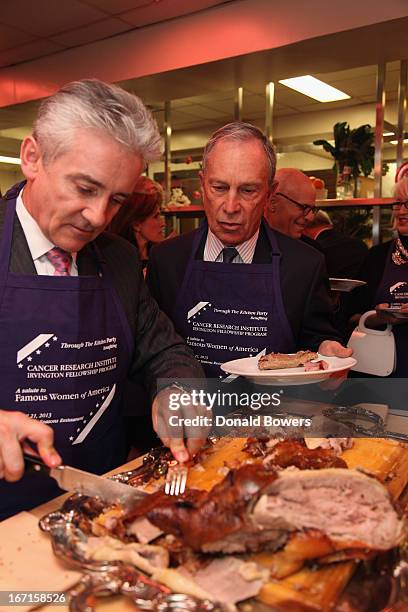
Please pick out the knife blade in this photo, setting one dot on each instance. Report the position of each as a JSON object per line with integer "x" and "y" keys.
{"x": 86, "y": 483}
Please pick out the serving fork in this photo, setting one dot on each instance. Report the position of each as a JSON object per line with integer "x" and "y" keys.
{"x": 176, "y": 478}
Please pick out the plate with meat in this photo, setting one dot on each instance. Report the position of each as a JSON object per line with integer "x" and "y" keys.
{"x": 301, "y": 368}
{"x": 345, "y": 285}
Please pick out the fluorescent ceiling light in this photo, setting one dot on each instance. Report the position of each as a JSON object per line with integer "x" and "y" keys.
{"x": 388, "y": 133}
{"x": 10, "y": 160}
{"x": 314, "y": 88}
{"x": 396, "y": 141}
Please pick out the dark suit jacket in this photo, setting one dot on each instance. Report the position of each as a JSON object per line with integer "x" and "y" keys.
{"x": 344, "y": 254}
{"x": 159, "y": 352}
{"x": 371, "y": 271}
{"x": 303, "y": 279}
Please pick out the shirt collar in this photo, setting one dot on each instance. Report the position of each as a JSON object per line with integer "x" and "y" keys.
{"x": 38, "y": 244}
{"x": 214, "y": 246}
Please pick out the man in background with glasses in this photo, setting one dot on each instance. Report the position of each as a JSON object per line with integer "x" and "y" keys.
{"x": 293, "y": 204}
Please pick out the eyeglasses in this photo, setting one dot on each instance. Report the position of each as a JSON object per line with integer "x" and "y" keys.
{"x": 305, "y": 208}
{"x": 398, "y": 205}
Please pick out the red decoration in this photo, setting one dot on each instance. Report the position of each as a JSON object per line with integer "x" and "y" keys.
{"x": 188, "y": 159}
{"x": 196, "y": 195}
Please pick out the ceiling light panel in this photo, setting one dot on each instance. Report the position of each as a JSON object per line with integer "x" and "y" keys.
{"x": 9, "y": 160}
{"x": 314, "y": 88}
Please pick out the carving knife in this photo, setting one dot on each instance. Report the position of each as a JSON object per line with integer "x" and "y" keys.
{"x": 86, "y": 483}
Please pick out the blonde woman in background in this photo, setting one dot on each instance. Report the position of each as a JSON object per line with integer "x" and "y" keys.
{"x": 385, "y": 270}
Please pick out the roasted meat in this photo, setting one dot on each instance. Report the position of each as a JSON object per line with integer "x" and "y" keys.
{"x": 255, "y": 508}
{"x": 219, "y": 520}
{"x": 346, "y": 505}
{"x": 277, "y": 361}
{"x": 278, "y": 453}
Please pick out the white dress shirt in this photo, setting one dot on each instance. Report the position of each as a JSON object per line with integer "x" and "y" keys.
{"x": 213, "y": 249}
{"x": 38, "y": 244}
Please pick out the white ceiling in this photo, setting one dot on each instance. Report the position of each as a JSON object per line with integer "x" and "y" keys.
{"x": 70, "y": 23}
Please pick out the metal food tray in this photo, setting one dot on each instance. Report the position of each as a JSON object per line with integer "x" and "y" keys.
{"x": 70, "y": 526}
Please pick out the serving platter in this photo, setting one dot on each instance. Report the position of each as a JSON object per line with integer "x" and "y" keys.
{"x": 345, "y": 285}
{"x": 305, "y": 587}
{"x": 248, "y": 367}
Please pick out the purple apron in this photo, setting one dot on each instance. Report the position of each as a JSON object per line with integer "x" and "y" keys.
{"x": 65, "y": 350}
{"x": 394, "y": 288}
{"x": 229, "y": 311}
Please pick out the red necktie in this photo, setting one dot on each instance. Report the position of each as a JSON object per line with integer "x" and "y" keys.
{"x": 61, "y": 260}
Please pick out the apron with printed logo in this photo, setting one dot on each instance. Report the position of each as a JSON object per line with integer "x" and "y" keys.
{"x": 394, "y": 289}
{"x": 229, "y": 311}
{"x": 65, "y": 350}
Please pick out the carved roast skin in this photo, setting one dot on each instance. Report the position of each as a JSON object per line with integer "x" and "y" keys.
{"x": 255, "y": 508}
{"x": 219, "y": 520}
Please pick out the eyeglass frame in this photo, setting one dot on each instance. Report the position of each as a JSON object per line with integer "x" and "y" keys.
{"x": 306, "y": 208}
{"x": 397, "y": 205}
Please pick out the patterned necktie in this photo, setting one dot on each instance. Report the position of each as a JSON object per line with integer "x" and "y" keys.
{"x": 229, "y": 254}
{"x": 61, "y": 260}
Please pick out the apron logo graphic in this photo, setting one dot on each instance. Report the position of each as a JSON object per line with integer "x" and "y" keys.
{"x": 34, "y": 346}
{"x": 397, "y": 286}
{"x": 191, "y": 313}
{"x": 95, "y": 417}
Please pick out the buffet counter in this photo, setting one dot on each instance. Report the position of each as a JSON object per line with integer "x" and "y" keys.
{"x": 387, "y": 459}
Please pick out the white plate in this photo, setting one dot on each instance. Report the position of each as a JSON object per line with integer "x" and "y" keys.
{"x": 248, "y": 367}
{"x": 345, "y": 284}
{"x": 393, "y": 311}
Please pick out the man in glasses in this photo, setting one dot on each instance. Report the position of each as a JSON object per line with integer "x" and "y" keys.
{"x": 293, "y": 204}
{"x": 234, "y": 287}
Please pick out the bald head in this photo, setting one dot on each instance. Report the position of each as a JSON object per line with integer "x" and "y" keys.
{"x": 284, "y": 215}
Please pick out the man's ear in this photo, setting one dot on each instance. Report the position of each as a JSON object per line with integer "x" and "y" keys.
{"x": 30, "y": 157}
{"x": 270, "y": 203}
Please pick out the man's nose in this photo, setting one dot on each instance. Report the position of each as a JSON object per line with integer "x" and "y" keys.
{"x": 96, "y": 212}
{"x": 232, "y": 203}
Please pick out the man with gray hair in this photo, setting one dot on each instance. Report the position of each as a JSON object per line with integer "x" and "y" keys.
{"x": 75, "y": 316}
{"x": 234, "y": 287}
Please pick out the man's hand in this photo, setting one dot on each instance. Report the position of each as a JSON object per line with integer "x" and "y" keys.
{"x": 332, "y": 348}
{"x": 172, "y": 427}
{"x": 15, "y": 428}
{"x": 389, "y": 317}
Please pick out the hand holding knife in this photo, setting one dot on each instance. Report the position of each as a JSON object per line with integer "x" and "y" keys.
{"x": 17, "y": 433}
{"x": 75, "y": 480}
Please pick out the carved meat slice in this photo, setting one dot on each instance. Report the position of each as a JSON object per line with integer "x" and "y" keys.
{"x": 347, "y": 506}
{"x": 277, "y": 361}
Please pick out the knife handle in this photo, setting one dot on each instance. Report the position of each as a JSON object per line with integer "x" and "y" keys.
{"x": 35, "y": 464}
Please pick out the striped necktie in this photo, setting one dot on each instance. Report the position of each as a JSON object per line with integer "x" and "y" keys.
{"x": 229, "y": 254}
{"x": 61, "y": 260}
